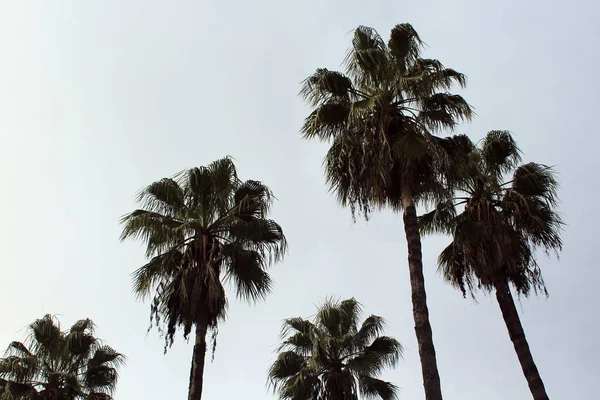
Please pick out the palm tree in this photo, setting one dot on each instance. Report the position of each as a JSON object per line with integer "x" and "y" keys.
{"x": 333, "y": 358}
{"x": 381, "y": 118}
{"x": 203, "y": 227}
{"x": 496, "y": 235}
{"x": 59, "y": 365}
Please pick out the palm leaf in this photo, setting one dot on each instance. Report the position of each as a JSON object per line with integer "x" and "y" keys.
{"x": 377, "y": 388}
{"x": 367, "y": 61}
{"x": 536, "y": 180}
{"x": 164, "y": 197}
{"x": 246, "y": 269}
{"x": 371, "y": 328}
{"x": 160, "y": 268}
{"x": 405, "y": 45}
{"x": 500, "y": 152}
{"x": 325, "y": 85}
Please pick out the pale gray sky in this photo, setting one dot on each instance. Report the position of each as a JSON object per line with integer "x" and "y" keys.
{"x": 98, "y": 99}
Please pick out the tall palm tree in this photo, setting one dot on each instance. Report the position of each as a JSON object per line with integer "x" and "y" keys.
{"x": 202, "y": 227}
{"x": 496, "y": 235}
{"x": 59, "y": 365}
{"x": 333, "y": 358}
{"x": 381, "y": 118}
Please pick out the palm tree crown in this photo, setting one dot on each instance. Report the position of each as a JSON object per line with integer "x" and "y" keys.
{"x": 503, "y": 221}
{"x": 59, "y": 365}
{"x": 496, "y": 235}
{"x": 333, "y": 358}
{"x": 380, "y": 117}
{"x": 200, "y": 227}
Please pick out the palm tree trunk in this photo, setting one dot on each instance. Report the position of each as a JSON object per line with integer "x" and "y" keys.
{"x": 517, "y": 336}
{"x": 431, "y": 377}
{"x": 197, "y": 370}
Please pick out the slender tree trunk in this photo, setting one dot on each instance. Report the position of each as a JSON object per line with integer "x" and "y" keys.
{"x": 517, "y": 336}
{"x": 197, "y": 370}
{"x": 431, "y": 377}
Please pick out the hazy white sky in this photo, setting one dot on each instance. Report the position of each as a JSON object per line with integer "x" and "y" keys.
{"x": 98, "y": 99}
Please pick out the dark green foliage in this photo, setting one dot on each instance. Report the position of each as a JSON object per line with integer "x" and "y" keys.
{"x": 201, "y": 228}
{"x": 380, "y": 118}
{"x": 59, "y": 365}
{"x": 333, "y": 357}
{"x": 503, "y": 221}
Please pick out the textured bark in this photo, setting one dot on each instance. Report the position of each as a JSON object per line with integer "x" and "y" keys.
{"x": 431, "y": 377}
{"x": 517, "y": 336}
{"x": 197, "y": 370}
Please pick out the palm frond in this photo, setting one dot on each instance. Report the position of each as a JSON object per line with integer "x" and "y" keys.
{"x": 367, "y": 62}
{"x": 444, "y": 111}
{"x": 377, "y": 388}
{"x": 164, "y": 197}
{"x": 157, "y": 230}
{"x": 325, "y": 86}
{"x": 371, "y": 328}
{"x": 328, "y": 120}
{"x": 455, "y": 158}
{"x": 100, "y": 377}
{"x": 80, "y": 342}
{"x": 106, "y": 355}
{"x": 351, "y": 312}
{"x": 160, "y": 268}
{"x": 46, "y": 336}
{"x": 83, "y": 326}
{"x": 536, "y": 180}
{"x": 299, "y": 325}
{"x": 18, "y": 349}
{"x": 338, "y": 318}
{"x": 302, "y": 387}
{"x": 451, "y": 266}
{"x": 425, "y": 77}
{"x": 382, "y": 353}
{"x": 214, "y": 180}
{"x": 405, "y": 45}
{"x": 500, "y": 152}
{"x": 246, "y": 269}
{"x": 253, "y": 198}
{"x": 19, "y": 369}
{"x": 287, "y": 364}
{"x": 101, "y": 374}
{"x": 440, "y": 220}
{"x": 536, "y": 218}
{"x": 299, "y": 342}
{"x": 262, "y": 235}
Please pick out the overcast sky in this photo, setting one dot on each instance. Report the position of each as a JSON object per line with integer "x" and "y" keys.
{"x": 98, "y": 99}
